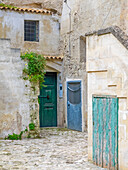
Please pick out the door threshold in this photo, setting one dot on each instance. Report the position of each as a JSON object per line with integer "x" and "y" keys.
{"x": 49, "y": 127}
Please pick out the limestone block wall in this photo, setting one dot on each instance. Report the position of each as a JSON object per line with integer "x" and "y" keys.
{"x": 80, "y": 17}
{"x": 107, "y": 74}
{"x": 74, "y": 70}
{"x": 12, "y": 27}
{"x": 94, "y": 15}
{"x": 18, "y": 104}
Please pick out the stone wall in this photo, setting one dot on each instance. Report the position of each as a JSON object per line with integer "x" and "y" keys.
{"x": 74, "y": 70}
{"x": 107, "y": 69}
{"x": 78, "y": 18}
{"x": 12, "y": 27}
{"x": 94, "y": 15}
{"x": 27, "y": 108}
{"x": 18, "y": 104}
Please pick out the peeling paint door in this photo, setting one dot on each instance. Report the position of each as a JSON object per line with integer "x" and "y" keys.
{"x": 105, "y": 132}
{"x": 74, "y": 115}
{"x": 48, "y": 101}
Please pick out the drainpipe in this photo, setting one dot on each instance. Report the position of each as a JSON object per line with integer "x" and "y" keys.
{"x": 69, "y": 27}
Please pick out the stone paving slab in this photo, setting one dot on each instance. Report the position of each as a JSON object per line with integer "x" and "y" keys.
{"x": 57, "y": 149}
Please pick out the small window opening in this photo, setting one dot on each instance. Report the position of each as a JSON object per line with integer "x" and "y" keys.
{"x": 82, "y": 49}
{"x": 31, "y": 30}
{"x": 74, "y": 93}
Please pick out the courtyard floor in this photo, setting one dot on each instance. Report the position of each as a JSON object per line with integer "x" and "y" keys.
{"x": 57, "y": 149}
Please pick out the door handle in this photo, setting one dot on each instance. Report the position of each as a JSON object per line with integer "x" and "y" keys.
{"x": 48, "y": 97}
{"x": 68, "y": 104}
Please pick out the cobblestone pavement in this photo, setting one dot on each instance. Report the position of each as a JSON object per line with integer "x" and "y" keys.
{"x": 56, "y": 150}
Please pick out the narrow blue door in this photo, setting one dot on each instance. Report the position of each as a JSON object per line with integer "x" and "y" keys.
{"x": 74, "y": 115}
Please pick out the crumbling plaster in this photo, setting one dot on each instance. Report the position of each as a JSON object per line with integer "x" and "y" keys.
{"x": 18, "y": 103}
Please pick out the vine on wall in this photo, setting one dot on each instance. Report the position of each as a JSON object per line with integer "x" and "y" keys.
{"x": 34, "y": 69}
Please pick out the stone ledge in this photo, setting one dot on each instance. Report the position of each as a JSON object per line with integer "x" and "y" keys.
{"x": 7, "y": 39}
{"x": 18, "y": 49}
{"x": 116, "y": 31}
{"x": 96, "y": 71}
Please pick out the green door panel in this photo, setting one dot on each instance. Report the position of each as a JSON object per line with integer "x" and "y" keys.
{"x": 48, "y": 101}
{"x": 105, "y": 132}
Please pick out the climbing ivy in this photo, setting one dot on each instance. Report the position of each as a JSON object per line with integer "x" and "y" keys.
{"x": 31, "y": 126}
{"x": 34, "y": 69}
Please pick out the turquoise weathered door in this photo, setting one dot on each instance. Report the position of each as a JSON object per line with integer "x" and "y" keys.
{"x": 48, "y": 101}
{"x": 105, "y": 132}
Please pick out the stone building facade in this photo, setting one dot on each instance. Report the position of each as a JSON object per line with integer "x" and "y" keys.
{"x": 19, "y": 104}
{"x": 97, "y": 60}
{"x": 107, "y": 76}
{"x": 78, "y": 18}
{"x": 94, "y": 62}
{"x": 12, "y": 27}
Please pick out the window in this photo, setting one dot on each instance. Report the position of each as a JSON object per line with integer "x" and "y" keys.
{"x": 82, "y": 49}
{"x": 74, "y": 92}
{"x": 31, "y": 31}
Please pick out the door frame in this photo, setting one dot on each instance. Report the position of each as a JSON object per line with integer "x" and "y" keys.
{"x": 66, "y": 101}
{"x": 107, "y": 96}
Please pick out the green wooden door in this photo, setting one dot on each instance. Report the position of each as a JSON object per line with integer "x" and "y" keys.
{"x": 105, "y": 132}
{"x": 48, "y": 101}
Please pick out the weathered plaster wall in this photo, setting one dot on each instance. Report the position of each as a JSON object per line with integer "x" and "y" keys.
{"x": 18, "y": 104}
{"x": 73, "y": 70}
{"x": 12, "y": 27}
{"x": 107, "y": 68}
{"x": 80, "y": 17}
{"x": 54, "y": 4}
{"x": 27, "y": 108}
{"x": 94, "y": 15}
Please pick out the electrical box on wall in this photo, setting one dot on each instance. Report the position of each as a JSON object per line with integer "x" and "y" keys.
{"x": 60, "y": 91}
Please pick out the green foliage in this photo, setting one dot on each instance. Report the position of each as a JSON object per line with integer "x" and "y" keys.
{"x": 26, "y": 130}
{"x": 20, "y": 135}
{"x": 13, "y": 137}
{"x": 38, "y": 100}
{"x": 9, "y": 6}
{"x": 16, "y": 136}
{"x": 31, "y": 126}
{"x": 29, "y": 136}
{"x": 34, "y": 70}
